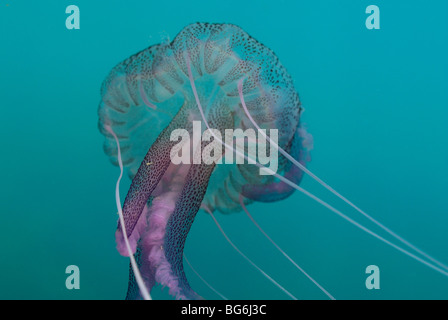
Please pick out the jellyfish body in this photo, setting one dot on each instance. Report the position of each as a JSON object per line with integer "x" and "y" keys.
{"x": 149, "y": 95}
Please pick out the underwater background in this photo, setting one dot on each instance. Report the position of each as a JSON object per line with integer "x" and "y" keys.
{"x": 376, "y": 103}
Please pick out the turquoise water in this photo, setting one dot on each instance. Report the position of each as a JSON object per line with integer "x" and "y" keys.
{"x": 376, "y": 105}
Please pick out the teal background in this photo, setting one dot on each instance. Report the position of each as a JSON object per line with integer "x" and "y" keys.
{"x": 376, "y": 105}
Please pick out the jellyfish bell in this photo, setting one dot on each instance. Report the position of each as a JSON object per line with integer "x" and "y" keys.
{"x": 158, "y": 90}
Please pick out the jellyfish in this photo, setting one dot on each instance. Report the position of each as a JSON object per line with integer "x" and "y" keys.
{"x": 221, "y": 77}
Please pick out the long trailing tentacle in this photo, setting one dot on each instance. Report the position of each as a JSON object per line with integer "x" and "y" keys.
{"x": 310, "y": 195}
{"x": 246, "y": 258}
{"x": 203, "y": 280}
{"x": 332, "y": 190}
{"x": 143, "y": 290}
{"x": 283, "y": 252}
